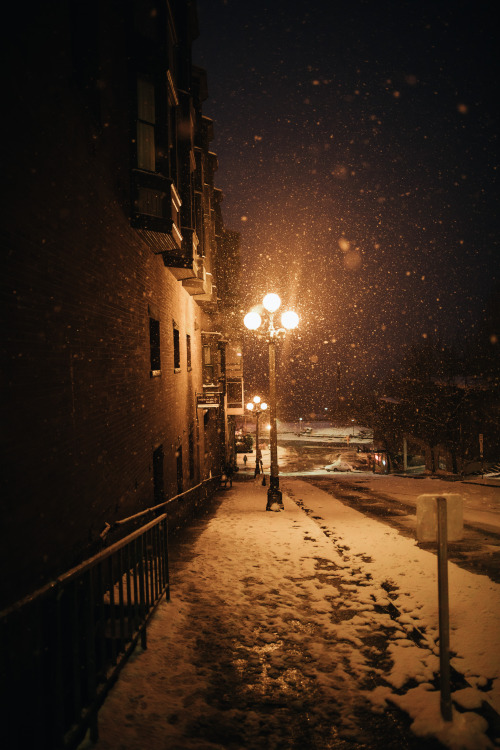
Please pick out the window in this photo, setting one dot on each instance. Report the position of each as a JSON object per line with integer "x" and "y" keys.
{"x": 158, "y": 484}
{"x": 177, "y": 348}
{"x": 235, "y": 394}
{"x": 151, "y": 202}
{"x": 154, "y": 345}
{"x": 208, "y": 368}
{"x": 188, "y": 351}
{"x": 146, "y": 120}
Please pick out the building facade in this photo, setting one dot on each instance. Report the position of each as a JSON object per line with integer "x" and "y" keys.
{"x": 117, "y": 331}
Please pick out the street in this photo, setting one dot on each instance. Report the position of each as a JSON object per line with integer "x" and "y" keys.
{"x": 478, "y": 551}
{"x": 394, "y": 503}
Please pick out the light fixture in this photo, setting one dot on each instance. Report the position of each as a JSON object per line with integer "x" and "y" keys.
{"x": 271, "y": 302}
{"x": 257, "y": 406}
{"x": 289, "y": 320}
{"x": 252, "y": 320}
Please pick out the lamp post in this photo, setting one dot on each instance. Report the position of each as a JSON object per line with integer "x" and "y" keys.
{"x": 289, "y": 320}
{"x": 257, "y": 407}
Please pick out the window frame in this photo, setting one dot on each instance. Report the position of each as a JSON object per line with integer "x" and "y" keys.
{"x": 146, "y": 123}
{"x": 189, "y": 358}
{"x": 154, "y": 346}
{"x": 177, "y": 346}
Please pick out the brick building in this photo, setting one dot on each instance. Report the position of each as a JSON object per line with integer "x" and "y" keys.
{"x": 117, "y": 329}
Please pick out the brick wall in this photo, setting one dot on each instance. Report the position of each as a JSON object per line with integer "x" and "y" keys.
{"x": 82, "y": 414}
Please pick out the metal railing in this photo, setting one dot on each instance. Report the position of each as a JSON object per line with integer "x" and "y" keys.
{"x": 61, "y": 648}
{"x": 179, "y": 509}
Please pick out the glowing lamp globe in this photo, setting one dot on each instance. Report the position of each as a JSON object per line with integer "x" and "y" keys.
{"x": 249, "y": 406}
{"x": 256, "y": 399}
{"x": 263, "y": 406}
{"x": 290, "y": 319}
{"x": 252, "y": 321}
{"x": 271, "y": 302}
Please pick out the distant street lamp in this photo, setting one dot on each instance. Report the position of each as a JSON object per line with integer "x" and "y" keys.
{"x": 253, "y": 321}
{"x": 257, "y": 407}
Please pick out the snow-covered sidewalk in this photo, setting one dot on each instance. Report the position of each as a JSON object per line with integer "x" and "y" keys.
{"x": 277, "y": 635}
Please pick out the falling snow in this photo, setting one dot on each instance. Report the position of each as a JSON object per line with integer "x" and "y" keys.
{"x": 314, "y": 610}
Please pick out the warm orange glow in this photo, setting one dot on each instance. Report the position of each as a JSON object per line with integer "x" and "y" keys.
{"x": 252, "y": 321}
{"x": 271, "y": 302}
{"x": 290, "y": 319}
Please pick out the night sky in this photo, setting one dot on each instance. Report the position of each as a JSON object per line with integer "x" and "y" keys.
{"x": 357, "y": 146}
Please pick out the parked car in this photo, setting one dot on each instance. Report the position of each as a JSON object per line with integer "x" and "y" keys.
{"x": 339, "y": 465}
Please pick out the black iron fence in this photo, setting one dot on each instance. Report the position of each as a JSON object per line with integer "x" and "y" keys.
{"x": 62, "y": 648}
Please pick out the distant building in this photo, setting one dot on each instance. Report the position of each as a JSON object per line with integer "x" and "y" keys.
{"x": 120, "y": 374}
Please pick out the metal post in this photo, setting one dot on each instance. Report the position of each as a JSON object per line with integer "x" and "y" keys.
{"x": 274, "y": 494}
{"x": 257, "y": 467}
{"x": 444, "y": 613}
{"x": 405, "y": 455}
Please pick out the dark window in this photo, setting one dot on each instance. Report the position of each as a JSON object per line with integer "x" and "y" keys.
{"x": 235, "y": 394}
{"x": 191, "y": 453}
{"x": 158, "y": 485}
{"x": 154, "y": 344}
{"x": 146, "y": 120}
{"x": 85, "y": 49}
{"x": 151, "y": 202}
{"x": 177, "y": 348}
{"x": 208, "y": 368}
{"x": 188, "y": 350}
{"x": 180, "y": 478}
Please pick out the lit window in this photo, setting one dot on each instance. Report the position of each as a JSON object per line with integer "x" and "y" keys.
{"x": 154, "y": 345}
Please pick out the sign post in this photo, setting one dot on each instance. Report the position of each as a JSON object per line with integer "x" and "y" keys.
{"x": 440, "y": 519}
{"x": 444, "y": 609}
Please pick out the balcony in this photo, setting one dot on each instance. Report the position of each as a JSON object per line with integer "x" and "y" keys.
{"x": 208, "y": 298}
{"x": 155, "y": 214}
{"x": 183, "y": 262}
{"x": 197, "y": 283}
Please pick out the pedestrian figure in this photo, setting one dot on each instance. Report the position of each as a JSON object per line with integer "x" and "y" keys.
{"x": 245, "y": 459}
{"x": 229, "y": 474}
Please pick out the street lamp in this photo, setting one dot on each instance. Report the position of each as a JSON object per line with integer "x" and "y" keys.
{"x": 253, "y": 321}
{"x": 257, "y": 407}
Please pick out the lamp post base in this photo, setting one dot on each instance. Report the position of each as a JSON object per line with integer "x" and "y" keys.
{"x": 274, "y": 497}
